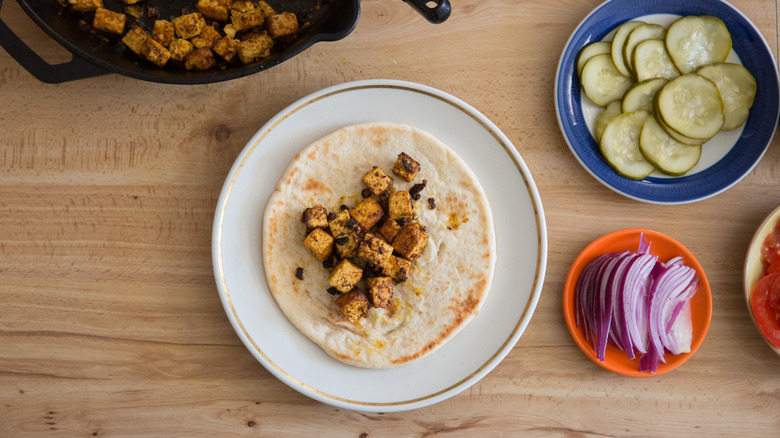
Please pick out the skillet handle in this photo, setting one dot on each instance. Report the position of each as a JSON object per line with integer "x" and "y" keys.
{"x": 435, "y": 14}
{"x": 77, "y": 68}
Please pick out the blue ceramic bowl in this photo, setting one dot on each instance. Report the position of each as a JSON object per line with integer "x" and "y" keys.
{"x": 731, "y": 163}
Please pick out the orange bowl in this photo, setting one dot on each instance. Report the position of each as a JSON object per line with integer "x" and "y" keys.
{"x": 665, "y": 248}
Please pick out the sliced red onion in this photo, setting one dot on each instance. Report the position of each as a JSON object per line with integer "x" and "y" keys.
{"x": 681, "y": 332}
{"x": 675, "y": 261}
{"x": 644, "y": 247}
{"x": 606, "y": 297}
{"x": 650, "y": 360}
{"x": 678, "y": 336}
{"x": 670, "y": 282}
{"x": 618, "y": 335}
{"x": 632, "y": 302}
{"x": 586, "y": 300}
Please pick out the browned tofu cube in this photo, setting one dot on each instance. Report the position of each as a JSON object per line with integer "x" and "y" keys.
{"x": 245, "y": 15}
{"x": 406, "y": 167}
{"x": 266, "y": 9}
{"x": 377, "y": 181}
{"x": 163, "y": 32}
{"x": 156, "y": 53}
{"x": 380, "y": 291}
{"x": 282, "y": 25}
{"x": 208, "y": 37}
{"x": 109, "y": 21}
{"x": 85, "y": 5}
{"x": 200, "y": 60}
{"x": 189, "y": 25}
{"x": 411, "y": 240}
{"x": 145, "y": 46}
{"x": 226, "y": 48}
{"x": 374, "y": 250}
{"x": 400, "y": 206}
{"x": 345, "y": 230}
{"x": 135, "y": 40}
{"x": 353, "y": 304}
{"x": 345, "y": 276}
{"x": 217, "y": 10}
{"x": 315, "y": 217}
{"x": 319, "y": 243}
{"x": 180, "y": 48}
{"x": 254, "y": 49}
{"x": 398, "y": 268}
{"x": 389, "y": 229}
{"x": 367, "y": 213}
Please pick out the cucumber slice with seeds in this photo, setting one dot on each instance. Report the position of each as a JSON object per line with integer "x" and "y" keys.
{"x": 602, "y": 82}
{"x": 647, "y": 31}
{"x": 737, "y": 89}
{"x": 618, "y": 41}
{"x": 620, "y": 145}
{"x": 676, "y": 135}
{"x": 591, "y": 50}
{"x": 608, "y": 113}
{"x": 651, "y": 60}
{"x": 694, "y": 41}
{"x": 665, "y": 153}
{"x": 640, "y": 96}
{"x": 691, "y": 105}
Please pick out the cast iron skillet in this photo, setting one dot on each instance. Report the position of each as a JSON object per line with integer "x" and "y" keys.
{"x": 331, "y": 20}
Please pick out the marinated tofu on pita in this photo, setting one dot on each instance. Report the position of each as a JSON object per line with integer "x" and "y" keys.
{"x": 378, "y": 244}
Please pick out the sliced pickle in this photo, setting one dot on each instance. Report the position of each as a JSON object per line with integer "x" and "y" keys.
{"x": 677, "y": 136}
{"x": 608, "y": 113}
{"x": 665, "y": 153}
{"x": 619, "y": 41}
{"x": 602, "y": 82}
{"x": 691, "y": 105}
{"x": 737, "y": 89}
{"x": 651, "y": 60}
{"x": 697, "y": 40}
{"x": 647, "y": 31}
{"x": 640, "y": 96}
{"x": 665, "y": 93}
{"x": 620, "y": 145}
{"x": 591, "y": 50}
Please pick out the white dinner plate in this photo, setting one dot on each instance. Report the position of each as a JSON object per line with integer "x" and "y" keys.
{"x": 520, "y": 233}
{"x": 726, "y": 158}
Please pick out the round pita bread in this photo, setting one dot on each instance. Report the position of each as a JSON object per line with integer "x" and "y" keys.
{"x": 446, "y": 286}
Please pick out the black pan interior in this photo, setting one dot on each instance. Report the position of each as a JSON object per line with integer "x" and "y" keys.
{"x": 328, "y": 20}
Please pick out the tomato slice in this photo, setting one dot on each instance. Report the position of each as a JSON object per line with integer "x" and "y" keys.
{"x": 774, "y": 265}
{"x": 761, "y": 302}
{"x": 774, "y": 295}
{"x": 770, "y": 251}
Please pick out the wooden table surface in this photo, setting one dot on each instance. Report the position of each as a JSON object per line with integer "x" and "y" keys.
{"x": 110, "y": 320}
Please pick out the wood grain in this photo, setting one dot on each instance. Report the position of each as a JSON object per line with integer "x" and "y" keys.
{"x": 110, "y": 322}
